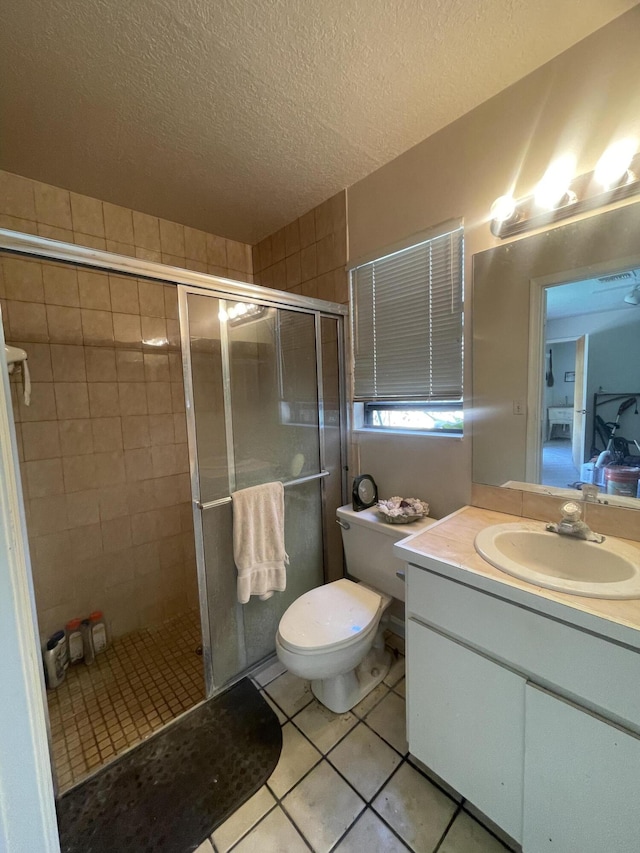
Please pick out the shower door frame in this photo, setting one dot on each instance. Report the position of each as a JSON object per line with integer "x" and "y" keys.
{"x": 225, "y": 289}
{"x": 32, "y": 246}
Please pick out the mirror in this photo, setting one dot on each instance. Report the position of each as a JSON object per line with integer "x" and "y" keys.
{"x": 561, "y": 306}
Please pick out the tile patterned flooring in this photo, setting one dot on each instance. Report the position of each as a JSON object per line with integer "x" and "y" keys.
{"x": 141, "y": 682}
{"x": 345, "y": 783}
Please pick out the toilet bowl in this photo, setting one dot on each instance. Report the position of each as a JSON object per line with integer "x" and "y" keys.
{"x": 333, "y": 635}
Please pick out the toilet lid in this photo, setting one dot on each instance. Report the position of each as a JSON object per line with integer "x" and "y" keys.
{"x": 330, "y": 615}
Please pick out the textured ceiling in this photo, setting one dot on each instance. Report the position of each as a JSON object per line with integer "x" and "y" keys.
{"x": 593, "y": 296}
{"x": 236, "y": 117}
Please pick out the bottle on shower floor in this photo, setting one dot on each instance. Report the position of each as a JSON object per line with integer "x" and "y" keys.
{"x": 87, "y": 642}
{"x": 98, "y": 631}
{"x": 54, "y": 656}
{"x": 74, "y": 640}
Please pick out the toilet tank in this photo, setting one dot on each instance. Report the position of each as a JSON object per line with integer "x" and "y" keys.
{"x": 368, "y": 548}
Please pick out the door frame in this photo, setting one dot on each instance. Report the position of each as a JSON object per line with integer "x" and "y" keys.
{"x": 26, "y": 768}
{"x": 536, "y": 362}
{"x": 579, "y": 436}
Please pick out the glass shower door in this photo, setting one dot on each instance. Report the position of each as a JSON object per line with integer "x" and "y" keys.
{"x": 256, "y": 404}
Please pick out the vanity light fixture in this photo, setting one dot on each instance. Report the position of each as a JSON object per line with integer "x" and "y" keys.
{"x": 612, "y": 169}
{"x": 553, "y": 191}
{"x": 559, "y": 194}
{"x": 505, "y": 210}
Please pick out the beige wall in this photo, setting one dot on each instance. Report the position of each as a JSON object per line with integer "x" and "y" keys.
{"x": 580, "y": 101}
{"x": 103, "y": 446}
{"x": 308, "y": 255}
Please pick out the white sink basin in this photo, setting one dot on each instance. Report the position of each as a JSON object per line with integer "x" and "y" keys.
{"x": 526, "y": 550}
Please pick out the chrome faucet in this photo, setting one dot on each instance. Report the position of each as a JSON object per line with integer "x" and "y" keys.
{"x": 572, "y": 524}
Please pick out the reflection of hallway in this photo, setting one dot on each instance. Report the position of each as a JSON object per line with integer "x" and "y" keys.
{"x": 557, "y": 463}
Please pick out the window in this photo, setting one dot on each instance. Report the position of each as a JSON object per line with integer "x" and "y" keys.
{"x": 407, "y": 323}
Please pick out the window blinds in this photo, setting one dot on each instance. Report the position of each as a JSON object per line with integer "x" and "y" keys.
{"x": 407, "y": 323}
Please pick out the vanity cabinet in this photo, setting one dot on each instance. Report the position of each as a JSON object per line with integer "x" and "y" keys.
{"x": 534, "y": 721}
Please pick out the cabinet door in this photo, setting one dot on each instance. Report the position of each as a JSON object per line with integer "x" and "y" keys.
{"x": 466, "y": 723}
{"x": 582, "y": 780}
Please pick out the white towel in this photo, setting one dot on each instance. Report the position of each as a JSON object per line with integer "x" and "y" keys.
{"x": 258, "y": 541}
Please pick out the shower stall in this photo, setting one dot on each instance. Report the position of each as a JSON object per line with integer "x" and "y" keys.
{"x": 264, "y": 390}
{"x": 156, "y": 392}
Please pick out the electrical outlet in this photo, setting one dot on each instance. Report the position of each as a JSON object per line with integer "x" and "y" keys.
{"x": 518, "y": 407}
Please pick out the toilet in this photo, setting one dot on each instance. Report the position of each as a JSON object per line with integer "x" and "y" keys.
{"x": 334, "y": 635}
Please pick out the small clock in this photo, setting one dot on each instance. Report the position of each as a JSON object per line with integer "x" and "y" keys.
{"x": 365, "y": 492}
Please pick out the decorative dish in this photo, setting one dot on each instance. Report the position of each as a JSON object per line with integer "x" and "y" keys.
{"x": 399, "y": 510}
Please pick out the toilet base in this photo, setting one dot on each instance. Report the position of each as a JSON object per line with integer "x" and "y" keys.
{"x": 343, "y": 692}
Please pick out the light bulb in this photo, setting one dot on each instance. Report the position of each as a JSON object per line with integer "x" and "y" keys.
{"x": 241, "y": 309}
{"x": 503, "y": 209}
{"x": 613, "y": 164}
{"x": 554, "y": 186}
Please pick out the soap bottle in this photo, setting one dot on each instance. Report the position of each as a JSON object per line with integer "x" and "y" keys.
{"x": 87, "y": 642}
{"x": 74, "y": 640}
{"x": 98, "y": 631}
{"x": 53, "y": 657}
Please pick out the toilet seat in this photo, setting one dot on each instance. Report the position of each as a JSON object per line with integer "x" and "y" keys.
{"x": 331, "y": 616}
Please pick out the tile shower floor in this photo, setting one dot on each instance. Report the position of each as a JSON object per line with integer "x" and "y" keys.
{"x": 141, "y": 682}
{"x": 345, "y": 783}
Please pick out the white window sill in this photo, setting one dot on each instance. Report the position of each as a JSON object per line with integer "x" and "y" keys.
{"x": 423, "y": 434}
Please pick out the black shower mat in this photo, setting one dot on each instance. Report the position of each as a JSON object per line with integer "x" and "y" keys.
{"x": 169, "y": 793}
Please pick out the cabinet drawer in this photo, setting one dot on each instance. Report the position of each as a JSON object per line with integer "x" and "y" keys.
{"x": 598, "y": 672}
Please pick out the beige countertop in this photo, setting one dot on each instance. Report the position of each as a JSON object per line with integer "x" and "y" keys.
{"x": 450, "y": 542}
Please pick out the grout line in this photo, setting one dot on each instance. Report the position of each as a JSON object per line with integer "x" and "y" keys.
{"x": 367, "y": 804}
{"x": 486, "y": 828}
{"x": 324, "y": 756}
{"x": 251, "y": 828}
{"x": 304, "y": 838}
{"x": 381, "y": 819}
{"x": 448, "y": 827}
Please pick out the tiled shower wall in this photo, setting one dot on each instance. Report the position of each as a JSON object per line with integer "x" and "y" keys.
{"x": 36, "y": 208}
{"x": 308, "y": 256}
{"x": 102, "y": 447}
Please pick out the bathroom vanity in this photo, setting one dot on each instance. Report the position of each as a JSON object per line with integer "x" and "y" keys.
{"x": 525, "y": 700}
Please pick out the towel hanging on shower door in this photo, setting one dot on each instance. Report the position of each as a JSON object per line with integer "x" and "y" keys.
{"x": 258, "y": 541}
